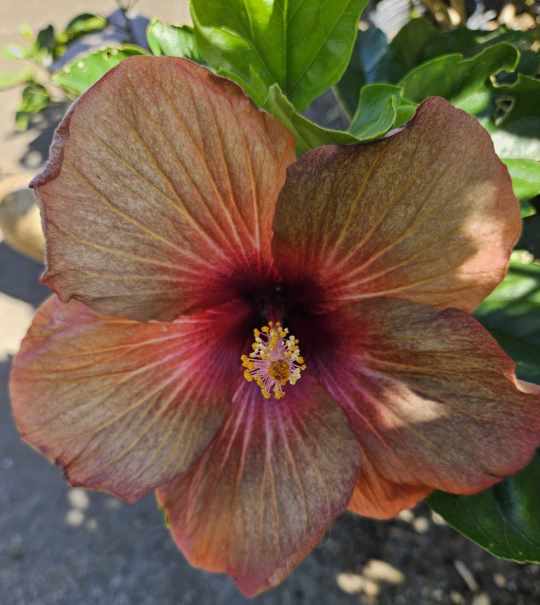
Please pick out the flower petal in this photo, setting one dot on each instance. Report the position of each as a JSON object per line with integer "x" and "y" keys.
{"x": 124, "y": 406}
{"x": 432, "y": 397}
{"x": 379, "y": 498}
{"x": 427, "y": 214}
{"x": 162, "y": 180}
{"x": 261, "y": 497}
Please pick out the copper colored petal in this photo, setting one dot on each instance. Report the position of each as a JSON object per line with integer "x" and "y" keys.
{"x": 162, "y": 183}
{"x": 432, "y": 397}
{"x": 124, "y": 406}
{"x": 427, "y": 214}
{"x": 265, "y": 491}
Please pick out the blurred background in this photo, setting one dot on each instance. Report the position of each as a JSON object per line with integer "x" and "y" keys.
{"x": 63, "y": 546}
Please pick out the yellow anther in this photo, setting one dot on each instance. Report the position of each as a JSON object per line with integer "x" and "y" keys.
{"x": 274, "y": 361}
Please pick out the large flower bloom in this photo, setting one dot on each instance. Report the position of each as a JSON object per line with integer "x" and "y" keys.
{"x": 267, "y": 342}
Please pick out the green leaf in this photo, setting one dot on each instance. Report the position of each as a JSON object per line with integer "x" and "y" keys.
{"x": 9, "y": 80}
{"x": 419, "y": 41}
{"x": 46, "y": 40}
{"x": 34, "y": 98}
{"x": 525, "y": 177}
{"x": 304, "y": 46}
{"x": 464, "y": 82}
{"x": 504, "y": 520}
{"x": 405, "y": 51}
{"x": 529, "y": 63}
{"x": 514, "y": 118}
{"x": 370, "y": 46}
{"x": 172, "y": 40}
{"x": 82, "y": 24}
{"x": 470, "y": 42}
{"x": 381, "y": 107}
{"x": 511, "y": 112}
{"x": 78, "y": 75}
{"x": 512, "y": 314}
{"x": 307, "y": 134}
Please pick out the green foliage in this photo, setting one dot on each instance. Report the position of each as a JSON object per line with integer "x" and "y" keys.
{"x": 405, "y": 51}
{"x": 302, "y": 46}
{"x": 504, "y": 519}
{"x": 308, "y": 135}
{"x": 380, "y": 107}
{"x": 35, "y": 98}
{"x": 514, "y": 118}
{"x": 419, "y": 41}
{"x": 369, "y": 47}
{"x": 172, "y": 40}
{"x": 43, "y": 49}
{"x": 48, "y": 44}
{"x": 525, "y": 177}
{"x": 464, "y": 82}
{"x": 512, "y": 314}
{"x": 78, "y": 75}
{"x": 81, "y": 25}
{"x": 12, "y": 79}
{"x": 509, "y": 111}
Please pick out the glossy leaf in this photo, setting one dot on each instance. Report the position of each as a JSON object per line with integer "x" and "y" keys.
{"x": 464, "y": 82}
{"x": 35, "y": 98}
{"x": 419, "y": 41}
{"x": 508, "y": 109}
{"x": 514, "y": 118}
{"x": 81, "y": 25}
{"x": 529, "y": 63}
{"x": 525, "y": 177}
{"x": 380, "y": 108}
{"x": 46, "y": 41}
{"x": 304, "y": 46}
{"x": 172, "y": 40}
{"x": 370, "y": 46}
{"x": 85, "y": 70}
{"x": 308, "y": 135}
{"x": 505, "y": 520}
{"x": 510, "y": 112}
{"x": 405, "y": 51}
{"x": 512, "y": 314}
{"x": 470, "y": 42}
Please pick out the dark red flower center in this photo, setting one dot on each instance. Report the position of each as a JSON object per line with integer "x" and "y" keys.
{"x": 287, "y": 327}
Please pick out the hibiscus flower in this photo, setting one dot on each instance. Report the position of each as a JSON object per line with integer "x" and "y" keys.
{"x": 267, "y": 341}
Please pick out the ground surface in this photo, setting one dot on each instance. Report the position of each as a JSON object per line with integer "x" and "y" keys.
{"x": 60, "y": 546}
